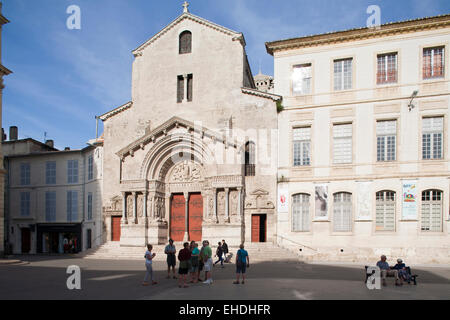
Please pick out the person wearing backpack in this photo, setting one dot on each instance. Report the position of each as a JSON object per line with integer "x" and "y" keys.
{"x": 242, "y": 263}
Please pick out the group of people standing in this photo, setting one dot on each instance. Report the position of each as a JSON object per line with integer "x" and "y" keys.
{"x": 193, "y": 261}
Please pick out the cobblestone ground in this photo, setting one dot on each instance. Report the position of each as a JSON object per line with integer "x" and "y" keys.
{"x": 45, "y": 278}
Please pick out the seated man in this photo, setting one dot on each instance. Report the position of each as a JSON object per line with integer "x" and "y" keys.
{"x": 387, "y": 272}
{"x": 402, "y": 273}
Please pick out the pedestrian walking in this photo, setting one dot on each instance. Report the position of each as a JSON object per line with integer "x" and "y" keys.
{"x": 242, "y": 263}
{"x": 207, "y": 260}
{"x": 170, "y": 251}
{"x": 219, "y": 254}
{"x": 148, "y": 265}
{"x": 225, "y": 251}
{"x": 185, "y": 257}
{"x": 194, "y": 262}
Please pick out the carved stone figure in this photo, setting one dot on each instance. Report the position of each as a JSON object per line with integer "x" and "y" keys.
{"x": 186, "y": 171}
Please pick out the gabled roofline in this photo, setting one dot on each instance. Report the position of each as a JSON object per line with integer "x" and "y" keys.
{"x": 115, "y": 111}
{"x": 187, "y": 15}
{"x": 392, "y": 28}
{"x": 261, "y": 94}
{"x": 162, "y": 131}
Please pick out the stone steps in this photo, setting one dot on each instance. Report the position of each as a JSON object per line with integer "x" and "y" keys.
{"x": 256, "y": 251}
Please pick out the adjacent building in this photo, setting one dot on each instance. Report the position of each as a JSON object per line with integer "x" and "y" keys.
{"x": 3, "y": 72}
{"x": 53, "y": 199}
{"x": 363, "y": 164}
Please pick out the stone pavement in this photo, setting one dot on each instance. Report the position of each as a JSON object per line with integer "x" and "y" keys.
{"x": 45, "y": 278}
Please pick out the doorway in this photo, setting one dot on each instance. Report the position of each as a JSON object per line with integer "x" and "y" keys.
{"x": 26, "y": 240}
{"x": 115, "y": 222}
{"x": 259, "y": 228}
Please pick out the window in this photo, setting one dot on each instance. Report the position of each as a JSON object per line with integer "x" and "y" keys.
{"x": 185, "y": 42}
{"x": 385, "y": 211}
{"x": 24, "y": 204}
{"x": 50, "y": 172}
{"x": 250, "y": 159}
{"x": 72, "y": 171}
{"x": 431, "y": 210}
{"x": 50, "y": 206}
{"x": 432, "y": 133}
{"x": 343, "y": 74}
{"x": 342, "y": 212}
{"x": 302, "y": 146}
{"x": 342, "y": 143}
{"x": 25, "y": 174}
{"x": 190, "y": 80}
{"x": 387, "y": 68}
{"x": 89, "y": 204}
{"x": 300, "y": 212}
{"x": 433, "y": 62}
{"x": 386, "y": 140}
{"x": 301, "y": 79}
{"x": 180, "y": 89}
{"x": 91, "y": 167}
{"x": 72, "y": 206}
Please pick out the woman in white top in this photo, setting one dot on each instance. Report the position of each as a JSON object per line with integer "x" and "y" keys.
{"x": 148, "y": 264}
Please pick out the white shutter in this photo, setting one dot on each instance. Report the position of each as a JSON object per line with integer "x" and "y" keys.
{"x": 342, "y": 145}
{"x": 300, "y": 212}
{"x": 342, "y": 212}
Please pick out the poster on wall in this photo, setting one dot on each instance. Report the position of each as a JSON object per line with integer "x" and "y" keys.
{"x": 409, "y": 200}
{"x": 321, "y": 201}
{"x": 283, "y": 196}
{"x": 364, "y": 193}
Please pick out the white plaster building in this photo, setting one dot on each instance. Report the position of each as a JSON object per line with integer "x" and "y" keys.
{"x": 52, "y": 196}
{"x": 364, "y": 142}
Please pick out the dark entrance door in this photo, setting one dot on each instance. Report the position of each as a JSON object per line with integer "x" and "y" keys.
{"x": 89, "y": 239}
{"x": 195, "y": 217}
{"x": 259, "y": 227}
{"x": 177, "y": 217}
{"x": 26, "y": 240}
{"x": 115, "y": 228}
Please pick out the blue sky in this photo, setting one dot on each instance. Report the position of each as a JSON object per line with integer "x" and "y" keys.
{"x": 63, "y": 78}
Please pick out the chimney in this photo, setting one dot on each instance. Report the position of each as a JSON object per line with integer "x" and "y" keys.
{"x": 13, "y": 133}
{"x": 50, "y": 143}
{"x": 66, "y": 149}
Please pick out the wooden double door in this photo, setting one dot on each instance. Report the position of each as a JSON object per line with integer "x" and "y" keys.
{"x": 259, "y": 228}
{"x": 115, "y": 226}
{"x": 178, "y": 217}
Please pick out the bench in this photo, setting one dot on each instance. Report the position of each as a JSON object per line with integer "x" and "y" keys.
{"x": 408, "y": 270}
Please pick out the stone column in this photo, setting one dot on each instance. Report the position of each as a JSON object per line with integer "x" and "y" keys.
{"x": 186, "y": 217}
{"x": 215, "y": 205}
{"x": 134, "y": 207}
{"x": 124, "y": 208}
{"x": 144, "y": 205}
{"x": 185, "y": 78}
{"x": 239, "y": 206}
{"x": 227, "y": 206}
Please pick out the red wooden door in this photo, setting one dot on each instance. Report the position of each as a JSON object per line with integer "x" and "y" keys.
{"x": 255, "y": 228}
{"x": 26, "y": 240}
{"x": 177, "y": 217}
{"x": 116, "y": 228}
{"x": 195, "y": 217}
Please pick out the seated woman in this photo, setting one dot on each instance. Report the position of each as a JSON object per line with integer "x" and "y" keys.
{"x": 402, "y": 272}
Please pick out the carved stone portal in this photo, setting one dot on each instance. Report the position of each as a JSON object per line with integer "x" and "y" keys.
{"x": 186, "y": 171}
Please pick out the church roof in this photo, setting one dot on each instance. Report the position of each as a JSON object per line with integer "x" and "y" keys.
{"x": 117, "y": 110}
{"x": 187, "y": 15}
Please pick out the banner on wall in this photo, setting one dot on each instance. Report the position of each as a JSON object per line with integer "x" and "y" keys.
{"x": 409, "y": 200}
{"x": 321, "y": 201}
{"x": 283, "y": 198}
{"x": 364, "y": 193}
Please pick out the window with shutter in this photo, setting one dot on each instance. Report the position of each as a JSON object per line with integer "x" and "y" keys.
{"x": 387, "y": 68}
{"x": 342, "y": 212}
{"x": 433, "y": 62}
{"x": 385, "y": 211}
{"x": 302, "y": 146}
{"x": 300, "y": 212}
{"x": 250, "y": 159}
{"x": 432, "y": 133}
{"x": 342, "y": 143}
{"x": 50, "y": 172}
{"x": 25, "y": 174}
{"x": 24, "y": 204}
{"x": 50, "y": 206}
{"x": 343, "y": 74}
{"x": 386, "y": 140}
{"x": 190, "y": 80}
{"x": 185, "y": 42}
{"x": 72, "y": 206}
{"x": 180, "y": 89}
{"x": 431, "y": 217}
{"x": 301, "y": 79}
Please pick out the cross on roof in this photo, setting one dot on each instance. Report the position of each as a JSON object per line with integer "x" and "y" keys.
{"x": 185, "y": 6}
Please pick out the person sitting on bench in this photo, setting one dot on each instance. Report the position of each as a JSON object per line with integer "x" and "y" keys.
{"x": 387, "y": 272}
{"x": 402, "y": 272}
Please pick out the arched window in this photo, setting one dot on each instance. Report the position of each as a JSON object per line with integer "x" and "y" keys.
{"x": 300, "y": 212}
{"x": 250, "y": 159}
{"x": 385, "y": 211}
{"x": 431, "y": 219}
{"x": 185, "y": 42}
{"x": 342, "y": 212}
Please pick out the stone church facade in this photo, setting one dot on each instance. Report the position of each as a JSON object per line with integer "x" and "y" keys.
{"x": 193, "y": 155}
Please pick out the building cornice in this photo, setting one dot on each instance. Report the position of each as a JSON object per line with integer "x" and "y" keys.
{"x": 236, "y": 35}
{"x": 261, "y": 94}
{"x": 3, "y": 20}
{"x": 389, "y": 29}
{"x": 116, "y": 111}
